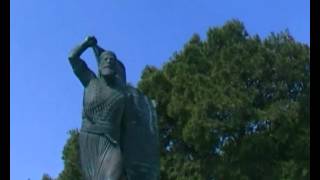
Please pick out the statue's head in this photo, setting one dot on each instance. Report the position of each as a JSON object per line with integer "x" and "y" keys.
{"x": 109, "y": 66}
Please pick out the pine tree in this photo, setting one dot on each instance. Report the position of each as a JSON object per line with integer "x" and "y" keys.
{"x": 46, "y": 177}
{"x": 71, "y": 159}
{"x": 233, "y": 106}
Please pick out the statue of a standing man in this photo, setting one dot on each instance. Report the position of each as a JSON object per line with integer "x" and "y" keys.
{"x": 116, "y": 119}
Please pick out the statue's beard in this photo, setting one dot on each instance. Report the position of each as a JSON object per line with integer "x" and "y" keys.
{"x": 107, "y": 72}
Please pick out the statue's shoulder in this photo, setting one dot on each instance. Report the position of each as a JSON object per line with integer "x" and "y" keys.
{"x": 132, "y": 91}
{"x": 92, "y": 83}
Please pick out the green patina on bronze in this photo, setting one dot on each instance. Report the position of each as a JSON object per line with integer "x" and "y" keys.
{"x": 119, "y": 133}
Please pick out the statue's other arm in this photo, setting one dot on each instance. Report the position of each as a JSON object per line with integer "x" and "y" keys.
{"x": 79, "y": 66}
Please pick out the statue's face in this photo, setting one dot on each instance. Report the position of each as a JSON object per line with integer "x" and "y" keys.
{"x": 107, "y": 64}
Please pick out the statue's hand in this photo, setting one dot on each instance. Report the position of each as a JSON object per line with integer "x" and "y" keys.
{"x": 90, "y": 41}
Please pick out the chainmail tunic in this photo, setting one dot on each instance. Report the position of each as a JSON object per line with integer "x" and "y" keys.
{"x": 100, "y": 132}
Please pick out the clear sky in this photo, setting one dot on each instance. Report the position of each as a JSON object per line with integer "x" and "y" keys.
{"x": 46, "y": 97}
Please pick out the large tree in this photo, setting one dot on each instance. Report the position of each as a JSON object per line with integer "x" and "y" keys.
{"x": 233, "y": 106}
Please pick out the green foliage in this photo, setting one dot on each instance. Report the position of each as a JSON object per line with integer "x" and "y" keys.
{"x": 71, "y": 158}
{"x": 46, "y": 177}
{"x": 233, "y": 106}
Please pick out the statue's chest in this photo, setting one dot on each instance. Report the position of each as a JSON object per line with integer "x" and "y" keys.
{"x": 100, "y": 99}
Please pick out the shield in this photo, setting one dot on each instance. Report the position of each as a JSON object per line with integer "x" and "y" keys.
{"x": 139, "y": 138}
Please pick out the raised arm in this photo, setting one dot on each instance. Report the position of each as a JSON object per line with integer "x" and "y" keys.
{"x": 79, "y": 66}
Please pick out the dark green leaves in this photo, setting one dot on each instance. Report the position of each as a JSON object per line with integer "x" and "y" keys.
{"x": 233, "y": 106}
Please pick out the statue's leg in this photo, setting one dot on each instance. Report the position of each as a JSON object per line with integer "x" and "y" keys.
{"x": 110, "y": 163}
{"x": 100, "y": 159}
{"x": 87, "y": 154}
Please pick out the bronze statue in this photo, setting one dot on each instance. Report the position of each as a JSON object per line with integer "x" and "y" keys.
{"x": 119, "y": 135}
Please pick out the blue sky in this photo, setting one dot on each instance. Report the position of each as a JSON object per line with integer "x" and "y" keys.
{"x": 45, "y": 96}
